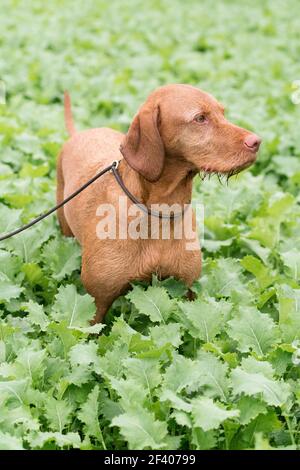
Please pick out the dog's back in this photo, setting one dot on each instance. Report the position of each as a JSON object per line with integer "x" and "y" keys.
{"x": 83, "y": 155}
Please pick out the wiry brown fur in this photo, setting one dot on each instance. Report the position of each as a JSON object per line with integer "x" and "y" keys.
{"x": 163, "y": 150}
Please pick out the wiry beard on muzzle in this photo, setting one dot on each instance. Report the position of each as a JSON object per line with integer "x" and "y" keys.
{"x": 221, "y": 176}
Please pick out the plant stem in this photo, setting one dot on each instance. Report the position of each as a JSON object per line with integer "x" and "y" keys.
{"x": 290, "y": 429}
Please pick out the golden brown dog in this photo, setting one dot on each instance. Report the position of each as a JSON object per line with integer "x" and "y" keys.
{"x": 178, "y": 132}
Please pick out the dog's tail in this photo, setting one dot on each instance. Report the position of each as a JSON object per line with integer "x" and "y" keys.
{"x": 68, "y": 115}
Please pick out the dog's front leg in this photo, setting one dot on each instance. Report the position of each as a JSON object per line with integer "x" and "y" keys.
{"x": 103, "y": 282}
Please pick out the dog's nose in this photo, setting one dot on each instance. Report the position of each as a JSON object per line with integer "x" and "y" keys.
{"x": 252, "y": 142}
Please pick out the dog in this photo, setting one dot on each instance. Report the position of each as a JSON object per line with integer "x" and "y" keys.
{"x": 178, "y": 132}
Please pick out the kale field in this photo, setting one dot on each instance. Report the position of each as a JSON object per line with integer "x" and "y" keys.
{"x": 221, "y": 372}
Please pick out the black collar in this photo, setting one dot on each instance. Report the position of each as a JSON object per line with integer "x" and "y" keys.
{"x": 114, "y": 170}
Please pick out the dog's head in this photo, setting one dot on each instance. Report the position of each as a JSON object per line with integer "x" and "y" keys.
{"x": 183, "y": 122}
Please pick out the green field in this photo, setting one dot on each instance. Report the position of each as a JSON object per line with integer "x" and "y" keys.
{"x": 222, "y": 372}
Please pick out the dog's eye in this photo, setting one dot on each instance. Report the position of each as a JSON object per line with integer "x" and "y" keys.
{"x": 200, "y": 118}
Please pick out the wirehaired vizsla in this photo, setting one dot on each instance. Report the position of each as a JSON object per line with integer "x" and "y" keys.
{"x": 178, "y": 132}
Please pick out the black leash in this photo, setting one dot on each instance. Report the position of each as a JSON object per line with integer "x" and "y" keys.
{"x": 114, "y": 169}
{"x": 58, "y": 206}
{"x": 142, "y": 206}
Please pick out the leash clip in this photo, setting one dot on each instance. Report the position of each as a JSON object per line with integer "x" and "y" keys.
{"x": 115, "y": 165}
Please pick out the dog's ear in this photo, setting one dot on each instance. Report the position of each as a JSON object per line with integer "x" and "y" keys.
{"x": 142, "y": 147}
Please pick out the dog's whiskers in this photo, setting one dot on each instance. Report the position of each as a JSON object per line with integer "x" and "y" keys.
{"x": 219, "y": 175}
{"x": 207, "y": 174}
